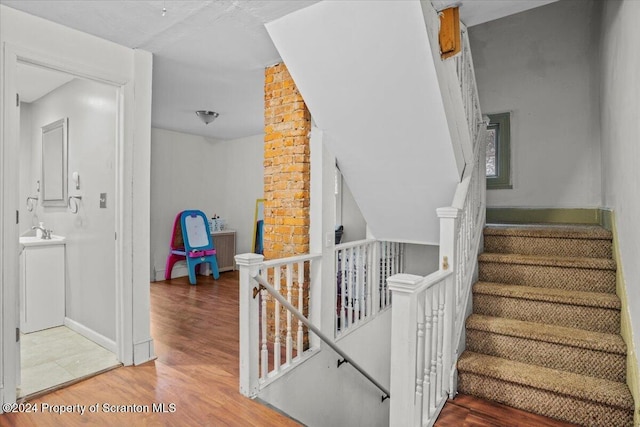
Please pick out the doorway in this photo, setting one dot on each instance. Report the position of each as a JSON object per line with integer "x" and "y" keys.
{"x": 75, "y": 202}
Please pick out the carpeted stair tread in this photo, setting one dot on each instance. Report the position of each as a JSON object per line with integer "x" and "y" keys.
{"x": 546, "y": 231}
{"x": 573, "y": 337}
{"x": 554, "y": 295}
{"x": 583, "y": 387}
{"x": 549, "y": 261}
{"x": 574, "y": 242}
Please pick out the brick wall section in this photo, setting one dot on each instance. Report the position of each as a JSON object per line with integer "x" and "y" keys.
{"x": 286, "y": 166}
{"x": 286, "y": 179}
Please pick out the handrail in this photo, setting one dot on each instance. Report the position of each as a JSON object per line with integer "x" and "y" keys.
{"x": 291, "y": 260}
{"x": 349, "y": 245}
{"x": 319, "y": 333}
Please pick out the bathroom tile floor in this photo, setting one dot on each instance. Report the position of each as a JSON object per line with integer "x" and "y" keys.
{"x": 56, "y": 356}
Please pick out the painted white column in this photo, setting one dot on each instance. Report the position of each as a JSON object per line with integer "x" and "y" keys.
{"x": 249, "y": 266}
{"x": 322, "y": 292}
{"x": 403, "y": 349}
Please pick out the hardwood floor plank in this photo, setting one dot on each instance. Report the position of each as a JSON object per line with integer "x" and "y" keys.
{"x": 470, "y": 411}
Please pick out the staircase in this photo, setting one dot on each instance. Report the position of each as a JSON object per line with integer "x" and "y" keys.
{"x": 544, "y": 335}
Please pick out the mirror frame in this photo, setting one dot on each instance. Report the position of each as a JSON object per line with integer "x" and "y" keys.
{"x": 47, "y": 166}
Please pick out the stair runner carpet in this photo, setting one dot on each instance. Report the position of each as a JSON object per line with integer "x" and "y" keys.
{"x": 544, "y": 335}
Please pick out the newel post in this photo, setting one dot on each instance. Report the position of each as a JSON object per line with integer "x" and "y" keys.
{"x": 449, "y": 218}
{"x": 404, "y": 330}
{"x": 448, "y": 227}
{"x": 249, "y": 265}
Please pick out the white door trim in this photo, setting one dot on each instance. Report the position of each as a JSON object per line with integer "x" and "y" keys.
{"x": 9, "y": 177}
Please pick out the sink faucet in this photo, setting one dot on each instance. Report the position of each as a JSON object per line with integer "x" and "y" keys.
{"x": 46, "y": 234}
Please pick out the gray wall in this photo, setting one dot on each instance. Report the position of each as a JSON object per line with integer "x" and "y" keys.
{"x": 355, "y": 227}
{"x": 620, "y": 112}
{"x": 193, "y": 172}
{"x": 541, "y": 65}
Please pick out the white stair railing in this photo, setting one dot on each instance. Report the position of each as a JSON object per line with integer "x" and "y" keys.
{"x": 362, "y": 269}
{"x": 272, "y": 341}
{"x": 468, "y": 87}
{"x": 272, "y": 318}
{"x": 429, "y": 312}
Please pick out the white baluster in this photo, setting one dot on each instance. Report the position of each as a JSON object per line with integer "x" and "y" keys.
{"x": 426, "y": 371}
{"x": 387, "y": 294}
{"x": 375, "y": 278}
{"x": 448, "y": 358}
{"x": 338, "y": 291}
{"x": 350, "y": 285}
{"x": 357, "y": 279}
{"x": 300, "y": 340}
{"x": 439, "y": 370}
{"x": 434, "y": 349}
{"x": 420, "y": 358}
{"x": 264, "y": 353}
{"x": 276, "y": 341}
{"x": 289, "y": 339}
{"x": 383, "y": 275}
{"x": 343, "y": 291}
{"x": 368, "y": 284}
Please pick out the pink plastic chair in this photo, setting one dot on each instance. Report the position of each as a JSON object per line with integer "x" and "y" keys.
{"x": 191, "y": 241}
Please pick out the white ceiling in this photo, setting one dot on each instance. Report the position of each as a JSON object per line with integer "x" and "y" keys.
{"x": 208, "y": 54}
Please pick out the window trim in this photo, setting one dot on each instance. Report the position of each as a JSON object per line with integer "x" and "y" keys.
{"x": 502, "y": 121}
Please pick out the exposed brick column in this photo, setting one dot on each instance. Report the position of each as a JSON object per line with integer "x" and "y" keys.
{"x": 286, "y": 166}
{"x": 286, "y": 180}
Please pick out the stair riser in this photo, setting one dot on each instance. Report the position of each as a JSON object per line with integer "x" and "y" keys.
{"x": 599, "y": 364}
{"x": 548, "y": 246}
{"x": 588, "y": 318}
{"x": 543, "y": 402}
{"x": 573, "y": 279}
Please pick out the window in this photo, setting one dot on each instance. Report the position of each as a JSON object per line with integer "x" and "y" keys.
{"x": 498, "y": 152}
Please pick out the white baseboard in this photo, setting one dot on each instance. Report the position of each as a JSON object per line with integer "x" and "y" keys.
{"x": 143, "y": 352}
{"x": 177, "y": 271}
{"x": 92, "y": 335}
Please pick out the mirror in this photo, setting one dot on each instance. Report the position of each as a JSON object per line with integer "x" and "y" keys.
{"x": 54, "y": 163}
{"x": 258, "y": 228}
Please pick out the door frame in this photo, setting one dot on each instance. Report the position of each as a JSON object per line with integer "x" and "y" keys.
{"x": 9, "y": 202}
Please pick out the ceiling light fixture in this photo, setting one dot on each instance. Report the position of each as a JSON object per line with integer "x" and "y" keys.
{"x": 207, "y": 116}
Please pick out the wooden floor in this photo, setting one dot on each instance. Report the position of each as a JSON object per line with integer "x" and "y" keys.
{"x": 195, "y": 330}
{"x": 469, "y": 411}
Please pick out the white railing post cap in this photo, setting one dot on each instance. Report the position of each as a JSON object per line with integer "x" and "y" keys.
{"x": 448, "y": 212}
{"x": 405, "y": 283}
{"x": 249, "y": 259}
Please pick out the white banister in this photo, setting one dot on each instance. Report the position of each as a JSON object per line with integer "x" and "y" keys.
{"x": 345, "y": 357}
{"x": 403, "y": 342}
{"x": 267, "y": 331}
{"x": 421, "y": 322}
{"x": 362, "y": 268}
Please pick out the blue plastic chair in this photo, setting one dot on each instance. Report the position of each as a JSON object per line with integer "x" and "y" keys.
{"x": 192, "y": 242}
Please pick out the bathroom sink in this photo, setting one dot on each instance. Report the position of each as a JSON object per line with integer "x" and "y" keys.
{"x": 38, "y": 241}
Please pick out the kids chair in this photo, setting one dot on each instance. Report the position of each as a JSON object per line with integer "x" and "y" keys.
{"x": 191, "y": 241}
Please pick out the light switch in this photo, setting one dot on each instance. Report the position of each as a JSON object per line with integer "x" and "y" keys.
{"x": 328, "y": 239}
{"x": 103, "y": 200}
